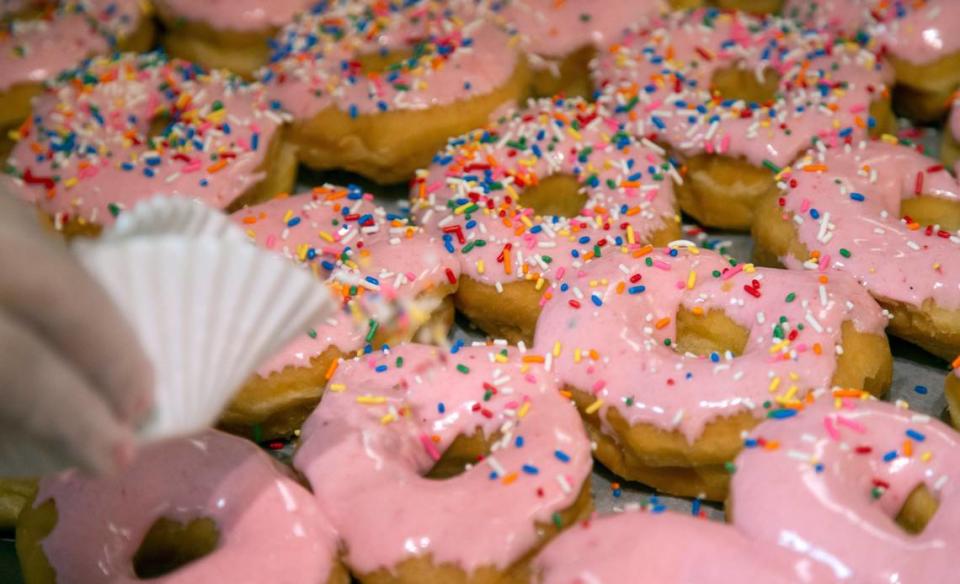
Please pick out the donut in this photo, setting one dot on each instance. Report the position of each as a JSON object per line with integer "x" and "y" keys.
{"x": 377, "y": 87}
{"x": 14, "y": 494}
{"x": 861, "y": 487}
{"x": 535, "y": 196}
{"x": 445, "y": 465}
{"x": 749, "y": 6}
{"x": 952, "y": 391}
{"x": 736, "y": 98}
{"x": 950, "y": 148}
{"x": 211, "y": 508}
{"x": 560, "y": 38}
{"x": 671, "y": 354}
{"x": 225, "y": 34}
{"x": 391, "y": 279}
{"x": 919, "y": 39}
{"x": 840, "y": 209}
{"x": 666, "y": 548}
{"x": 125, "y": 127}
{"x": 38, "y": 44}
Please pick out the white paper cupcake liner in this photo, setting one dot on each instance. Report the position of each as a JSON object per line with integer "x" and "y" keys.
{"x": 208, "y": 306}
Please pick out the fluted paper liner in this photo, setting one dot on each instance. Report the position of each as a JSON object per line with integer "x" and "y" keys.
{"x": 207, "y": 305}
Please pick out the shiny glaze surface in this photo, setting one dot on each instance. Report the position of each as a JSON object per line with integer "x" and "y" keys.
{"x": 613, "y": 324}
{"x": 34, "y": 50}
{"x": 88, "y": 152}
{"x": 846, "y": 206}
{"x": 659, "y": 78}
{"x": 450, "y": 54}
{"x": 384, "y": 422}
{"x": 666, "y": 548}
{"x": 237, "y": 15}
{"x": 271, "y": 530}
{"x": 364, "y": 253}
{"x": 828, "y": 482}
{"x": 471, "y": 194}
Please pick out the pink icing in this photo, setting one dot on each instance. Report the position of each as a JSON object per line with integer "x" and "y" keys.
{"x": 34, "y": 51}
{"x": 628, "y": 186}
{"x": 825, "y": 88}
{"x": 625, "y": 309}
{"x": 866, "y": 238}
{"x": 385, "y": 420}
{"x": 346, "y": 239}
{"x": 237, "y": 15}
{"x": 837, "y": 477}
{"x": 458, "y": 56}
{"x": 271, "y": 530}
{"x": 553, "y": 29}
{"x": 666, "y": 548}
{"x": 87, "y": 153}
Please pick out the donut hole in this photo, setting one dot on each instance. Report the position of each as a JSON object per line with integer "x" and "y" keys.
{"x": 928, "y": 210}
{"x": 704, "y": 333}
{"x": 170, "y": 545}
{"x": 917, "y": 510}
{"x": 157, "y": 129}
{"x": 383, "y": 60}
{"x": 462, "y": 454}
{"x": 740, "y": 83}
{"x": 558, "y": 195}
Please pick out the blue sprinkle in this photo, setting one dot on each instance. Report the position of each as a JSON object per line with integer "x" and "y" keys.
{"x": 921, "y": 389}
{"x": 562, "y": 456}
{"x": 381, "y": 368}
{"x": 441, "y": 408}
{"x": 636, "y": 289}
{"x": 916, "y": 435}
{"x": 889, "y": 456}
{"x": 857, "y": 197}
{"x": 750, "y": 443}
{"x": 530, "y": 469}
{"x": 782, "y": 414}
{"x": 596, "y": 300}
{"x": 695, "y": 508}
{"x": 518, "y": 442}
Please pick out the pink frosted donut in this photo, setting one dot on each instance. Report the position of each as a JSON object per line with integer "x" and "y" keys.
{"x": 671, "y": 354}
{"x": 840, "y": 209}
{"x": 666, "y": 548}
{"x": 535, "y": 196}
{"x": 950, "y": 149}
{"x": 560, "y": 38}
{"x": 232, "y": 34}
{"x": 269, "y": 529}
{"x": 829, "y": 480}
{"x": 735, "y": 98}
{"x": 390, "y": 277}
{"x": 124, "y": 128}
{"x": 35, "y": 49}
{"x": 377, "y": 87}
{"x": 489, "y": 421}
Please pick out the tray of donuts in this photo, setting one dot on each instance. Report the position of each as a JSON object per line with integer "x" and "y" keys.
{"x": 504, "y": 291}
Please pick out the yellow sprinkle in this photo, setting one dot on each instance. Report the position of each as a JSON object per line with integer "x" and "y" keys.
{"x": 480, "y": 266}
{"x": 70, "y": 182}
{"x": 774, "y": 384}
{"x": 630, "y": 236}
{"x": 691, "y": 280}
{"x": 459, "y": 210}
{"x": 326, "y": 236}
{"x": 371, "y": 400}
{"x": 592, "y": 408}
{"x": 387, "y": 419}
{"x": 523, "y": 410}
{"x": 889, "y": 139}
{"x": 556, "y": 349}
{"x": 749, "y": 268}
{"x": 500, "y": 358}
{"x": 576, "y": 355}
{"x": 540, "y": 283}
{"x": 926, "y": 456}
{"x": 776, "y": 348}
{"x": 338, "y": 387}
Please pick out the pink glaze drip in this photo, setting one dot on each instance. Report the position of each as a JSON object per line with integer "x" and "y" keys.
{"x": 376, "y": 433}
{"x": 641, "y": 79}
{"x": 666, "y": 548}
{"x": 628, "y": 186}
{"x": 271, "y": 530}
{"x": 341, "y": 235}
{"x": 832, "y": 496}
{"x": 90, "y": 156}
{"x": 237, "y": 15}
{"x": 35, "y": 51}
{"x": 625, "y": 309}
{"x": 552, "y": 30}
{"x": 866, "y": 238}
{"x": 458, "y": 56}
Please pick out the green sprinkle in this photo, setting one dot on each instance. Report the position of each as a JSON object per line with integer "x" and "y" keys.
{"x": 845, "y": 252}
{"x": 558, "y": 520}
{"x": 114, "y": 209}
{"x": 667, "y": 342}
{"x": 399, "y": 362}
{"x": 771, "y": 166}
{"x": 463, "y": 369}
{"x": 730, "y": 467}
{"x": 791, "y": 297}
{"x": 312, "y": 333}
{"x": 374, "y": 325}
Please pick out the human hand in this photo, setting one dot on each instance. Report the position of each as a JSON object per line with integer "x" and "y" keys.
{"x": 74, "y": 380}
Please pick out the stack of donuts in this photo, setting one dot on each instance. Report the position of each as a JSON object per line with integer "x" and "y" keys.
{"x": 540, "y": 303}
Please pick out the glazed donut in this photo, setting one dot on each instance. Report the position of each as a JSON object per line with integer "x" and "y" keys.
{"x": 373, "y": 261}
{"x": 736, "y": 98}
{"x": 840, "y": 209}
{"x": 125, "y": 127}
{"x": 43, "y": 40}
{"x": 560, "y": 38}
{"x": 513, "y": 458}
{"x": 919, "y": 39}
{"x": 377, "y": 87}
{"x": 213, "y": 508}
{"x": 952, "y": 391}
{"x": 534, "y": 197}
{"x": 666, "y": 548}
{"x": 950, "y": 148}
{"x": 832, "y": 483}
{"x": 225, "y": 34}
{"x": 672, "y": 354}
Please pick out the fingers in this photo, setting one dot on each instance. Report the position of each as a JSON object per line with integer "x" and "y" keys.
{"x": 54, "y": 409}
{"x": 48, "y": 290}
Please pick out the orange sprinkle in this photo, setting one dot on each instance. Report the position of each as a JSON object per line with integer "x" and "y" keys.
{"x": 217, "y": 166}
{"x": 662, "y": 322}
{"x": 533, "y": 359}
{"x": 509, "y": 478}
{"x": 331, "y": 369}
